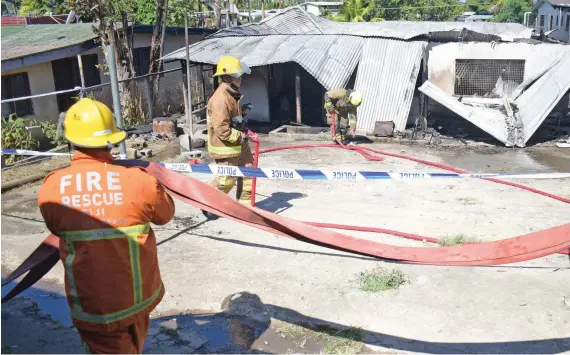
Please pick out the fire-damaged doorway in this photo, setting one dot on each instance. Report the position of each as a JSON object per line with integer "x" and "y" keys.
{"x": 312, "y": 100}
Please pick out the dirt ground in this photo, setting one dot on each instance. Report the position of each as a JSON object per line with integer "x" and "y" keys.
{"x": 231, "y": 287}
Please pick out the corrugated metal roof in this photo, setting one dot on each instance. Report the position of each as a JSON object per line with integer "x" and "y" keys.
{"x": 387, "y": 75}
{"x": 22, "y": 41}
{"x": 536, "y": 103}
{"x": 296, "y": 21}
{"x": 330, "y": 59}
{"x": 489, "y": 120}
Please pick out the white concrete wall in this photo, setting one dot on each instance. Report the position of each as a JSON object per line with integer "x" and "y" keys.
{"x": 254, "y": 91}
{"x": 441, "y": 62}
{"x": 40, "y": 77}
{"x": 560, "y": 34}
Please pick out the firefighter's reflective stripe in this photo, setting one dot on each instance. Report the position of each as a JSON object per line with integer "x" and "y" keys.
{"x": 131, "y": 233}
{"x": 69, "y": 271}
{"x": 224, "y": 150}
{"x": 352, "y": 123}
{"x": 234, "y": 136}
{"x": 229, "y": 149}
{"x": 117, "y": 316}
{"x": 106, "y": 233}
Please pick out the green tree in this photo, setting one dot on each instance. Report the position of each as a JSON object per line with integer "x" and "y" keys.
{"x": 418, "y": 10}
{"x": 112, "y": 20}
{"x": 177, "y": 9}
{"x": 477, "y": 5}
{"x": 356, "y": 11}
{"x": 42, "y": 7}
{"x": 512, "y": 11}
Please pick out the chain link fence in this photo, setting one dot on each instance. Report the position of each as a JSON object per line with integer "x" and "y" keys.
{"x": 167, "y": 99}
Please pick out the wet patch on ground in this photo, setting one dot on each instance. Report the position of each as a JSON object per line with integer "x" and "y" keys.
{"x": 44, "y": 308}
{"x": 509, "y": 160}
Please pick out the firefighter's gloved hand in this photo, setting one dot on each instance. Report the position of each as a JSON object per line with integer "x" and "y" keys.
{"x": 238, "y": 122}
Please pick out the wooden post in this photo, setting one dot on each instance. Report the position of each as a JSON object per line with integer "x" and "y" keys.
{"x": 298, "y": 93}
{"x": 149, "y": 98}
{"x": 80, "y": 63}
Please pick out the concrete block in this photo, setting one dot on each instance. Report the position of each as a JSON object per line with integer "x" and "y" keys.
{"x": 384, "y": 129}
{"x": 184, "y": 141}
{"x": 164, "y": 126}
{"x": 146, "y": 152}
{"x": 131, "y": 152}
{"x": 137, "y": 144}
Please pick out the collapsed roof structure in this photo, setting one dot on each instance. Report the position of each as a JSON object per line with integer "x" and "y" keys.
{"x": 387, "y": 58}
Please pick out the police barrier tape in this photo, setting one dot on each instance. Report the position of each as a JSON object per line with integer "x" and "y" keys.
{"x": 32, "y": 153}
{"x": 308, "y": 174}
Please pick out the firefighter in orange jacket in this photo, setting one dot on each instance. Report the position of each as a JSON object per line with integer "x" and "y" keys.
{"x": 102, "y": 213}
{"x": 227, "y": 143}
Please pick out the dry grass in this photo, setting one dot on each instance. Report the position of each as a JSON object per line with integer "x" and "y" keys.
{"x": 291, "y": 331}
{"x": 468, "y": 201}
{"x": 347, "y": 341}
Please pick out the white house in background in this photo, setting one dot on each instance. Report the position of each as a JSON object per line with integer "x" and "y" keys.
{"x": 553, "y": 19}
{"x": 478, "y": 18}
{"x": 463, "y": 16}
{"x": 39, "y": 59}
{"x": 318, "y": 7}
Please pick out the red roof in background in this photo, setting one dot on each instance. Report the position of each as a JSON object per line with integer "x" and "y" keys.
{"x": 33, "y": 20}
{"x": 13, "y": 21}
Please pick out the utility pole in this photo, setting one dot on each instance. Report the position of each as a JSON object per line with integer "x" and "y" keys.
{"x": 111, "y": 64}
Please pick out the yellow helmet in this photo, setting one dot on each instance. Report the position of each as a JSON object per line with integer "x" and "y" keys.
{"x": 355, "y": 98}
{"x": 232, "y": 66}
{"x": 91, "y": 124}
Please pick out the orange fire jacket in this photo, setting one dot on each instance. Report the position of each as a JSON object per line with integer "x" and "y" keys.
{"x": 102, "y": 214}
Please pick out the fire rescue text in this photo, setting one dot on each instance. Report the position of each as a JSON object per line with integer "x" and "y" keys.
{"x": 91, "y": 192}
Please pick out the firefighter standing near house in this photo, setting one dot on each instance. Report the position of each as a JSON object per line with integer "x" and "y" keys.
{"x": 102, "y": 213}
{"x": 227, "y": 140}
{"x": 343, "y": 103}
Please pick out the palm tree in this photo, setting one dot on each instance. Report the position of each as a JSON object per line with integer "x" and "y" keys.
{"x": 356, "y": 11}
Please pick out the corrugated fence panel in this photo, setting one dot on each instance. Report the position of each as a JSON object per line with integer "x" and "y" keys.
{"x": 536, "y": 103}
{"x": 387, "y": 76}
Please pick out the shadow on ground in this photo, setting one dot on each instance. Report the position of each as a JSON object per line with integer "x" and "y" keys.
{"x": 279, "y": 201}
{"x": 245, "y": 325}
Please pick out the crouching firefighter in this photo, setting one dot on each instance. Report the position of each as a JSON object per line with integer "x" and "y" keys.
{"x": 344, "y": 103}
{"x": 102, "y": 214}
{"x": 227, "y": 137}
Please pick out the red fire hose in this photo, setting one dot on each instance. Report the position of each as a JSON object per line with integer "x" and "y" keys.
{"x": 368, "y": 156}
{"x": 205, "y": 197}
